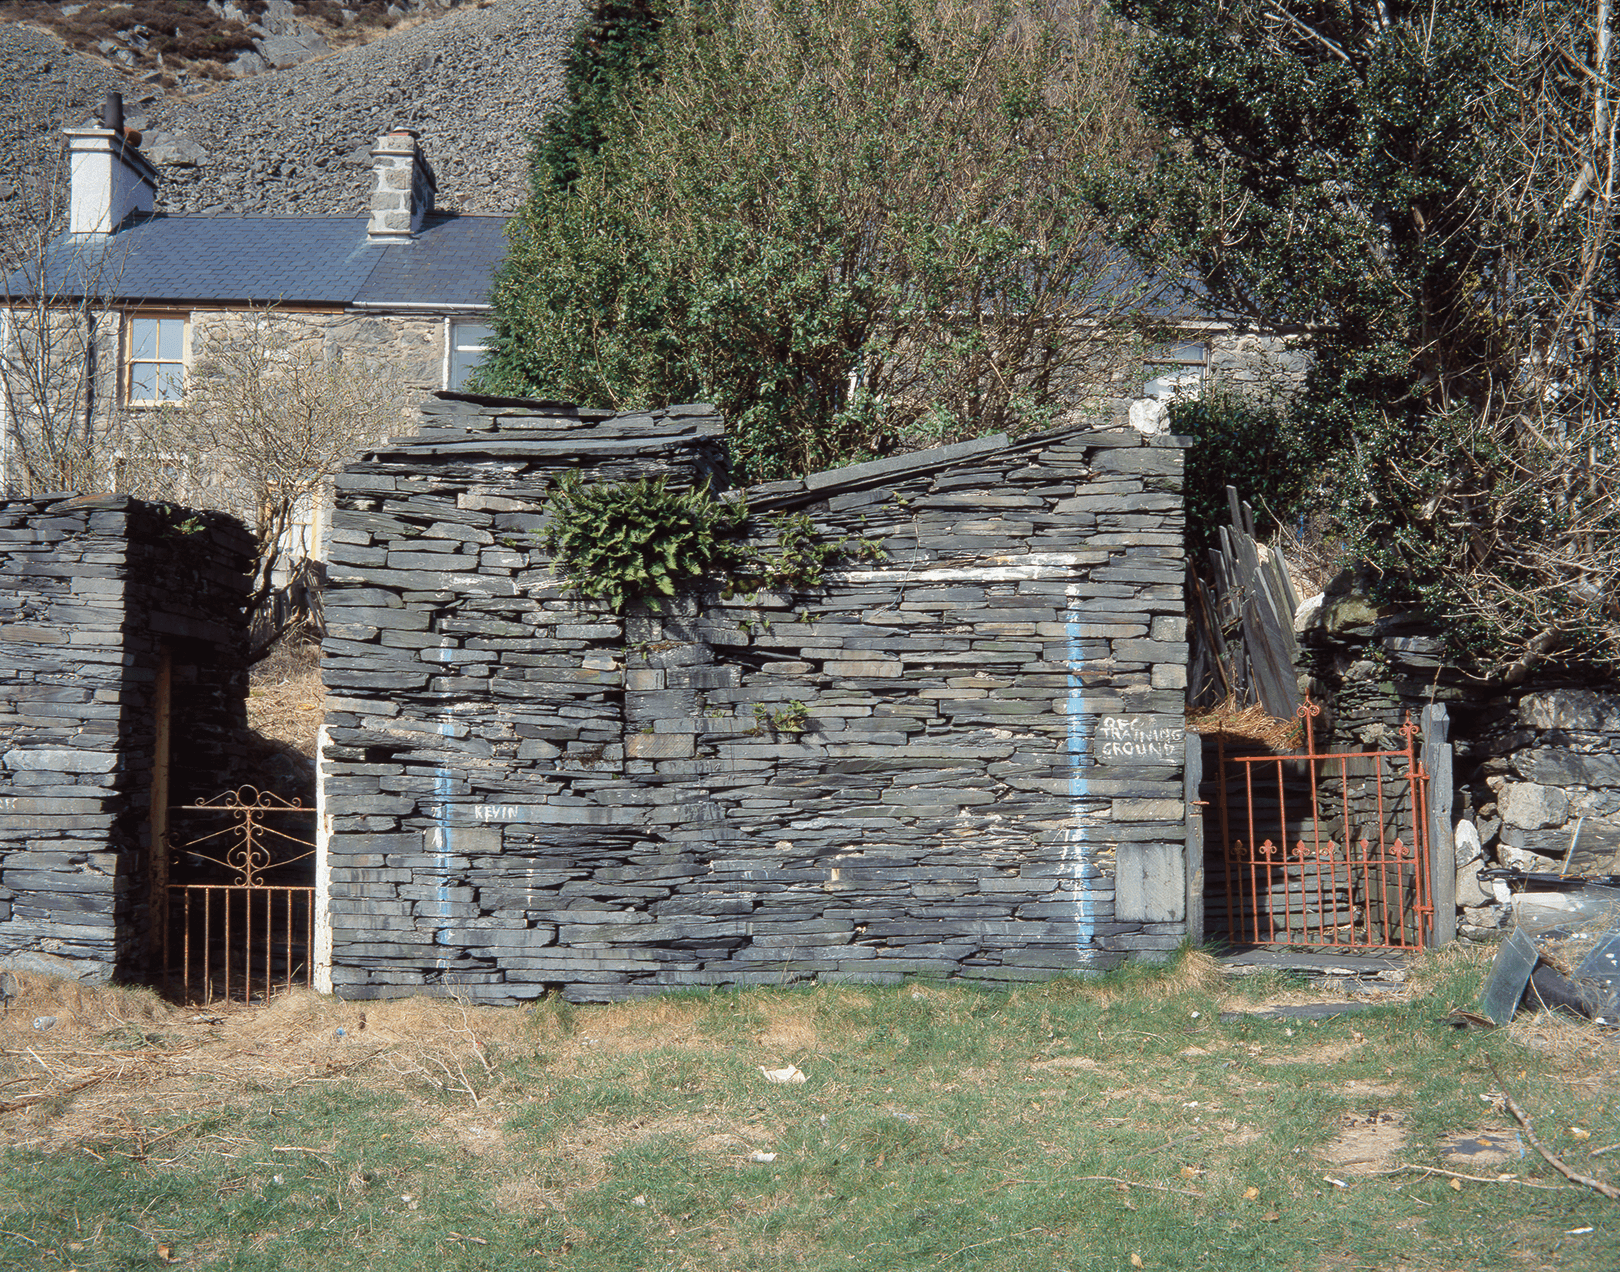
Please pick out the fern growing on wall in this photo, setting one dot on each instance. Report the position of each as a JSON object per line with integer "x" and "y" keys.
{"x": 642, "y": 541}
{"x": 638, "y": 540}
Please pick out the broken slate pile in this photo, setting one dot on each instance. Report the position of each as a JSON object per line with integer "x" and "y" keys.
{"x": 93, "y": 591}
{"x": 963, "y": 759}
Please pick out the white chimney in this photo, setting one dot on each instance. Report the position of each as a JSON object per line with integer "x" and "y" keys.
{"x": 405, "y": 187}
{"x": 108, "y": 175}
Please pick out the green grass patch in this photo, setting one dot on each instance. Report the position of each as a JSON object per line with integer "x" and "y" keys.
{"x": 1071, "y": 1125}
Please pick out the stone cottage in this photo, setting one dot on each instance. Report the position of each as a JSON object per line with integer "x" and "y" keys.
{"x": 109, "y": 318}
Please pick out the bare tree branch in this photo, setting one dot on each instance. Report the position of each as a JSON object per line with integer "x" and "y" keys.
{"x": 273, "y": 410}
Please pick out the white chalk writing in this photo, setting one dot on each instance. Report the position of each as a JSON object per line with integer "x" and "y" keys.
{"x": 1153, "y": 738}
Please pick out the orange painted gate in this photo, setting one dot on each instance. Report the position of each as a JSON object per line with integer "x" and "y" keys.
{"x": 231, "y": 930}
{"x": 1323, "y": 848}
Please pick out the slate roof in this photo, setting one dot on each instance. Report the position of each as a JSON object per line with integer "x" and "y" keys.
{"x": 451, "y": 261}
{"x": 274, "y": 260}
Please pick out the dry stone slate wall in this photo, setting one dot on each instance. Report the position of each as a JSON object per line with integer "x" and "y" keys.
{"x": 92, "y": 591}
{"x": 1550, "y": 785}
{"x": 965, "y": 759}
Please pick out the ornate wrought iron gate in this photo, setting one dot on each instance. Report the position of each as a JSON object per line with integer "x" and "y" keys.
{"x": 229, "y": 933}
{"x": 1324, "y": 848}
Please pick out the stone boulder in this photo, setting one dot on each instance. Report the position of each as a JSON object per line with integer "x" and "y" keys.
{"x": 1532, "y": 806}
{"x": 174, "y": 150}
{"x": 293, "y": 44}
{"x": 1572, "y": 710}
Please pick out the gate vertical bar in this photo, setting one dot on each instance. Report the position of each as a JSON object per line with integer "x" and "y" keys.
{"x": 229, "y": 946}
{"x": 1282, "y": 852}
{"x": 269, "y": 938}
{"x": 1384, "y": 849}
{"x": 1254, "y": 851}
{"x": 288, "y": 987}
{"x": 208, "y": 963}
{"x": 185, "y": 976}
{"x": 1307, "y": 710}
{"x": 1417, "y": 778}
{"x": 247, "y": 947}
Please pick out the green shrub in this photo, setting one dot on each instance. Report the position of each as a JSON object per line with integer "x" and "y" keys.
{"x": 854, "y": 226}
{"x": 1251, "y": 443}
{"x": 642, "y": 541}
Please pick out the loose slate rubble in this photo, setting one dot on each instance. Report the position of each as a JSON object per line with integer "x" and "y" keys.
{"x": 526, "y": 792}
{"x": 92, "y": 590}
{"x": 1522, "y": 977}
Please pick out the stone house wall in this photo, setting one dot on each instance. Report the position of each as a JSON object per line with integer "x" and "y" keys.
{"x": 404, "y": 353}
{"x": 966, "y": 759}
{"x": 94, "y": 593}
{"x": 1243, "y": 360}
{"x": 1251, "y": 361}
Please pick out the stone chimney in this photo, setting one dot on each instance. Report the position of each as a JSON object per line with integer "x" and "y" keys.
{"x": 405, "y": 187}
{"x": 108, "y": 175}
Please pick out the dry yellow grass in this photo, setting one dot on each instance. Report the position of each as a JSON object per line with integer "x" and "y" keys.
{"x": 286, "y": 700}
{"x": 1247, "y": 724}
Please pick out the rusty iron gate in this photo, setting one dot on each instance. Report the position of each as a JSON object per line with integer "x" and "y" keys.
{"x": 1326, "y": 848}
{"x": 232, "y": 934}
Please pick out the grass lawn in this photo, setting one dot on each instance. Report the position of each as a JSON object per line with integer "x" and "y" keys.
{"x": 1117, "y": 1122}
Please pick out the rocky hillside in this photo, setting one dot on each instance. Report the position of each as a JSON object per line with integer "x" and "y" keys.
{"x": 176, "y": 43}
{"x": 476, "y": 82}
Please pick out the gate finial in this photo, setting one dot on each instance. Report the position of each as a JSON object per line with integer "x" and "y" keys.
{"x": 1307, "y": 712}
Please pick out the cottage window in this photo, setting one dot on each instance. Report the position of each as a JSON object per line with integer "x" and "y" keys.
{"x": 468, "y": 343}
{"x": 1175, "y": 371}
{"x": 156, "y": 359}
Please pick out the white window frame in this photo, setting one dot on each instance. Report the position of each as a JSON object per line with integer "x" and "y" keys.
{"x": 127, "y": 370}
{"x": 1171, "y": 362}
{"x": 451, "y": 348}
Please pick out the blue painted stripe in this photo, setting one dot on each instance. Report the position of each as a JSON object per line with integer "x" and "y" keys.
{"x": 442, "y": 786}
{"x": 1076, "y": 852}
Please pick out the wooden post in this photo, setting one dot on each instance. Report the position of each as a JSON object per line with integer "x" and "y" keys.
{"x": 1442, "y": 852}
{"x": 1194, "y": 775}
{"x": 321, "y": 898}
{"x": 158, "y": 820}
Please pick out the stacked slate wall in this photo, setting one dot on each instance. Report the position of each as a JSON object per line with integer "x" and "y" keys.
{"x": 92, "y": 591}
{"x": 964, "y": 759}
{"x": 1545, "y": 795}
